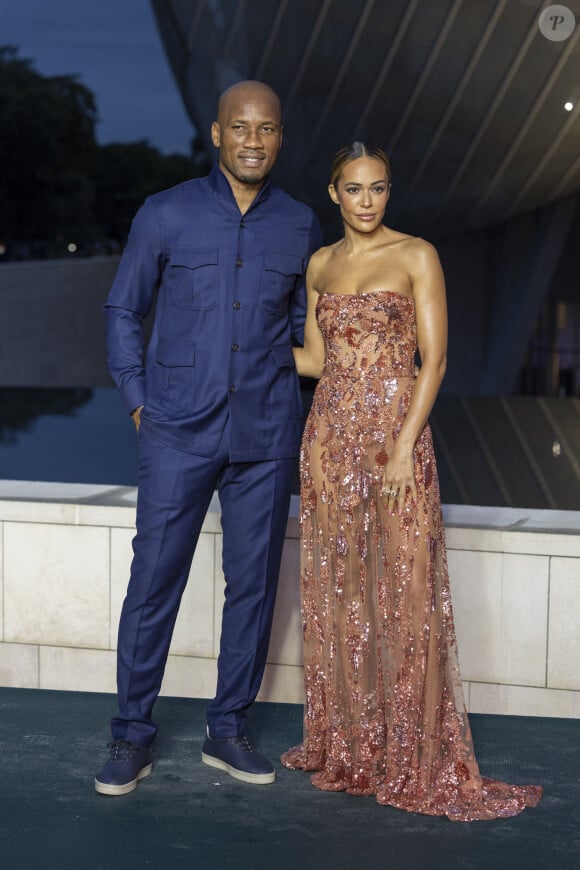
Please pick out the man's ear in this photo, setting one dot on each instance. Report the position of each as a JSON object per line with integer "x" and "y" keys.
{"x": 333, "y": 194}
{"x": 215, "y": 134}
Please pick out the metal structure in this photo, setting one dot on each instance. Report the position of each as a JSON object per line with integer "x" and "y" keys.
{"x": 479, "y": 111}
{"x": 467, "y": 96}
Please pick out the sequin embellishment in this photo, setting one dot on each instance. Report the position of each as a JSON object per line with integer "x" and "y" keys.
{"x": 384, "y": 713}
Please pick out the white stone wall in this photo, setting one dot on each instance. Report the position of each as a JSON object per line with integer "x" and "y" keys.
{"x": 65, "y": 551}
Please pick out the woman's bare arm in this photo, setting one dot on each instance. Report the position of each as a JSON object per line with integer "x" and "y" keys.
{"x": 310, "y": 358}
{"x": 431, "y": 311}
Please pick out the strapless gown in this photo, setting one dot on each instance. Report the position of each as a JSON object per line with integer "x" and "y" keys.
{"x": 384, "y": 713}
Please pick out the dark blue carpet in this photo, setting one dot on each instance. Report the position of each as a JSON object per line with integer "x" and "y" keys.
{"x": 187, "y": 815}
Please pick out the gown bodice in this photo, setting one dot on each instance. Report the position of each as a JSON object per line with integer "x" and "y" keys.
{"x": 370, "y": 334}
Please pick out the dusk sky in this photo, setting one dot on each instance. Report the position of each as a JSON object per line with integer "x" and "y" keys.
{"x": 114, "y": 47}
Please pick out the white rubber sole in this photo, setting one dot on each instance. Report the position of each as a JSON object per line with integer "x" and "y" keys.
{"x": 241, "y": 775}
{"x": 127, "y": 787}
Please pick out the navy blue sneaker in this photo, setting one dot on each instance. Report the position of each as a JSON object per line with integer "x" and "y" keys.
{"x": 127, "y": 764}
{"x": 237, "y": 757}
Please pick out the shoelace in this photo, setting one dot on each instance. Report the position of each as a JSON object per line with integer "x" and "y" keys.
{"x": 122, "y": 750}
{"x": 240, "y": 740}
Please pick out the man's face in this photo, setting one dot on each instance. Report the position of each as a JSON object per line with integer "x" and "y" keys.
{"x": 248, "y": 133}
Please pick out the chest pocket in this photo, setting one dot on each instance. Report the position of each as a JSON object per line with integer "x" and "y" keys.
{"x": 193, "y": 277}
{"x": 278, "y": 279}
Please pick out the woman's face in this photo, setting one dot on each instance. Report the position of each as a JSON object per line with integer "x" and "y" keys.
{"x": 362, "y": 192}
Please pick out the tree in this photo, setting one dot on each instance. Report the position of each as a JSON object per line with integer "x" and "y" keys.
{"x": 48, "y": 152}
{"x": 57, "y": 185}
{"x": 129, "y": 172}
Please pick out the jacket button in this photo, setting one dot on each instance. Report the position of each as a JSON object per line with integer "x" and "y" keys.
{"x": 235, "y": 347}
{"x": 242, "y": 224}
{"x": 232, "y": 388}
{"x": 237, "y": 305}
{"x": 239, "y": 262}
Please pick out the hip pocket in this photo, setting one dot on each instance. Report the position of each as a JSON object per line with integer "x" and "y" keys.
{"x": 175, "y": 368}
{"x": 284, "y": 401}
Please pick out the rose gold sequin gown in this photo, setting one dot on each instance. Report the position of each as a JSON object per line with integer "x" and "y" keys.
{"x": 384, "y": 713}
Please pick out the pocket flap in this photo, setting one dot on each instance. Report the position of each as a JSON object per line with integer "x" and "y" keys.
{"x": 285, "y": 264}
{"x": 193, "y": 258}
{"x": 171, "y": 352}
{"x": 282, "y": 355}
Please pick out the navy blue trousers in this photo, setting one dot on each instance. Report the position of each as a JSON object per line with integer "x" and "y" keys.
{"x": 175, "y": 489}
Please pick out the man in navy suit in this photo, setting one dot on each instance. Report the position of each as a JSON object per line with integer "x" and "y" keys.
{"x": 216, "y": 402}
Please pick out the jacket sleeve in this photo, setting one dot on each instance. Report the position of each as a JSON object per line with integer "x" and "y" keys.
{"x": 298, "y": 302}
{"x": 129, "y": 302}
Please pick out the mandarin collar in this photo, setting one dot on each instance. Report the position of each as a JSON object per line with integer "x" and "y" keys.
{"x": 219, "y": 183}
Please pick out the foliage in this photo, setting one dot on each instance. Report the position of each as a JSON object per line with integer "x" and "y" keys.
{"x": 56, "y": 183}
{"x": 22, "y": 406}
{"x": 47, "y": 152}
{"x": 127, "y": 173}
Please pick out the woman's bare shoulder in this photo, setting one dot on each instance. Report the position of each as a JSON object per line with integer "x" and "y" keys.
{"x": 415, "y": 244}
{"x": 418, "y": 251}
{"x": 422, "y": 246}
{"x": 322, "y": 254}
{"x": 319, "y": 260}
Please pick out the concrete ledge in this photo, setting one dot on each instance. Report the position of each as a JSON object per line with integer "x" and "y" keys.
{"x": 65, "y": 551}
{"x": 51, "y": 329}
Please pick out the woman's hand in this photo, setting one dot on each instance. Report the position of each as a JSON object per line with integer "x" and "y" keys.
{"x": 399, "y": 481}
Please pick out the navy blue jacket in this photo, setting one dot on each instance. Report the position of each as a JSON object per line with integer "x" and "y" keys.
{"x": 229, "y": 299}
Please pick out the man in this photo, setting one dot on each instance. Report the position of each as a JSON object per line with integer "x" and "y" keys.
{"x": 216, "y": 405}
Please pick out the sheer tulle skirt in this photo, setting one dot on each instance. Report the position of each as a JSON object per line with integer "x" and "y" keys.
{"x": 384, "y": 713}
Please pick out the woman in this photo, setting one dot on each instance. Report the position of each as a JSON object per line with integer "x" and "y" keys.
{"x": 384, "y": 712}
